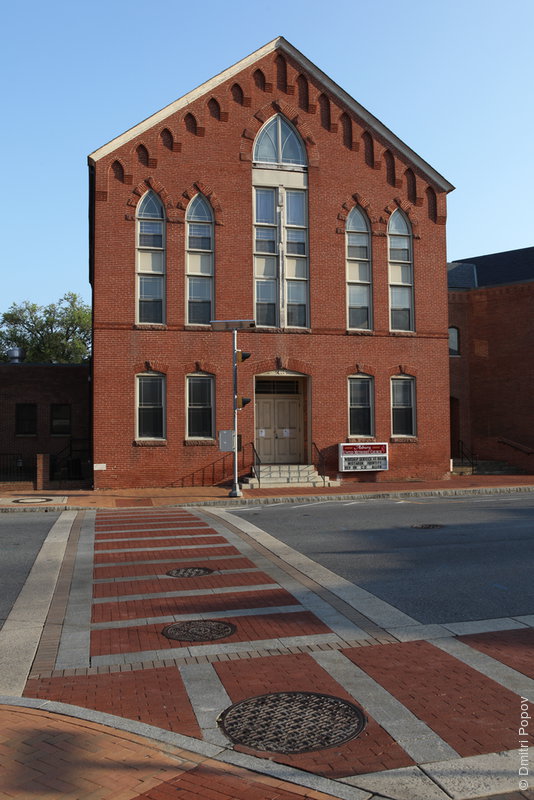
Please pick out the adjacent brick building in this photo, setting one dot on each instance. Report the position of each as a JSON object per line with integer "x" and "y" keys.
{"x": 268, "y": 193}
{"x": 44, "y": 409}
{"x": 491, "y": 299}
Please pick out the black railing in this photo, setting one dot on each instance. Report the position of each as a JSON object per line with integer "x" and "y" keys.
{"x": 319, "y": 462}
{"x": 221, "y": 469}
{"x": 256, "y": 464}
{"x": 72, "y": 463}
{"x": 466, "y": 456}
{"x": 15, "y": 468}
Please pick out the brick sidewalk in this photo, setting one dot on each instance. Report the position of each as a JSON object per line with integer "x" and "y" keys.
{"x": 131, "y": 670}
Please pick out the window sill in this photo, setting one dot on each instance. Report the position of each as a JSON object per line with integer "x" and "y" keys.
{"x": 197, "y": 327}
{"x": 359, "y": 332}
{"x": 266, "y": 329}
{"x": 150, "y": 443}
{"x": 361, "y": 438}
{"x": 26, "y": 435}
{"x": 150, "y": 326}
{"x": 404, "y": 440}
{"x": 200, "y": 442}
{"x": 402, "y": 333}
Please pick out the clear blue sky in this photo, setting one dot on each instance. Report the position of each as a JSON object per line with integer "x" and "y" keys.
{"x": 452, "y": 79}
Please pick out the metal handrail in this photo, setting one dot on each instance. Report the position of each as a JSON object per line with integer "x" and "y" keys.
{"x": 467, "y": 455}
{"x": 219, "y": 469}
{"x": 320, "y": 462}
{"x": 256, "y": 463}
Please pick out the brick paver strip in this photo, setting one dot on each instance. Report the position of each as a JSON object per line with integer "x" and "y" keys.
{"x": 134, "y": 570}
{"x": 168, "y": 584}
{"x": 372, "y": 751}
{"x": 142, "y": 534}
{"x": 154, "y": 696}
{"x": 127, "y": 556}
{"x": 140, "y": 638}
{"x": 470, "y": 712}
{"x": 513, "y": 648}
{"x": 165, "y": 606}
{"x": 156, "y": 543}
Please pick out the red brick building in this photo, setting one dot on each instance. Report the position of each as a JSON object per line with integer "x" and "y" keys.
{"x": 491, "y": 299}
{"x": 268, "y": 193}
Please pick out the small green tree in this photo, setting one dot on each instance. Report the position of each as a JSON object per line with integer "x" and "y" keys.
{"x": 59, "y": 332}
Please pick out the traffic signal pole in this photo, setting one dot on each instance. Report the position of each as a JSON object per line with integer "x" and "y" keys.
{"x": 236, "y": 491}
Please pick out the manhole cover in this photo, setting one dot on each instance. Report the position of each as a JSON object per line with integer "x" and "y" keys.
{"x": 199, "y": 630}
{"x": 34, "y": 500}
{"x": 292, "y": 722}
{"x": 427, "y": 526}
{"x": 189, "y": 572}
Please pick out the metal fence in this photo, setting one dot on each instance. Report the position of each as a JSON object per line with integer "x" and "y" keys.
{"x": 17, "y": 468}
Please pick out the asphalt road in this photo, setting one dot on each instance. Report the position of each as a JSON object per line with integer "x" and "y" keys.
{"x": 477, "y": 563}
{"x": 21, "y": 538}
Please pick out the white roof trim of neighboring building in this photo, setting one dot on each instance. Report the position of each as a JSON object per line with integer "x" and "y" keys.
{"x": 277, "y": 44}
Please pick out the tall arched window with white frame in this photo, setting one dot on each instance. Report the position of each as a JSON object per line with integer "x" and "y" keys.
{"x": 200, "y": 266}
{"x": 281, "y": 262}
{"x": 150, "y": 260}
{"x": 401, "y": 287}
{"x": 358, "y": 271}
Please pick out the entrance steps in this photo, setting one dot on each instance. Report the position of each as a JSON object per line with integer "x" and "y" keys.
{"x": 288, "y": 475}
{"x": 485, "y": 468}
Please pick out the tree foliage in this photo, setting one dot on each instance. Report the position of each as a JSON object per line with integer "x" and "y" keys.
{"x": 58, "y": 333}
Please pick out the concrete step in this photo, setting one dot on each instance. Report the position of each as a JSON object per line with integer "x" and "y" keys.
{"x": 486, "y": 467}
{"x": 274, "y": 483}
{"x": 285, "y": 475}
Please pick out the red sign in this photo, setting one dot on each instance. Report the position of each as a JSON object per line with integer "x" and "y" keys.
{"x": 364, "y": 449}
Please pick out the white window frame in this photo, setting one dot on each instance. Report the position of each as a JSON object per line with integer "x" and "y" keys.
{"x": 370, "y": 382}
{"x": 163, "y": 383}
{"x": 196, "y": 256}
{"x": 211, "y": 378}
{"x": 352, "y": 262}
{"x": 396, "y": 264}
{"x": 454, "y": 333}
{"x": 142, "y": 251}
{"x": 413, "y": 397}
{"x": 278, "y": 124}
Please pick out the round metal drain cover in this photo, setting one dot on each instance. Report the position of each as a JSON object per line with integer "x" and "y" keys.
{"x": 199, "y": 630}
{"x": 427, "y": 526}
{"x": 292, "y": 722}
{"x": 189, "y": 572}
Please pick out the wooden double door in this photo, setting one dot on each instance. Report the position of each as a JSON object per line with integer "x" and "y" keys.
{"x": 279, "y": 429}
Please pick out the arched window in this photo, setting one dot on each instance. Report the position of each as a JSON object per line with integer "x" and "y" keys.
{"x": 358, "y": 270}
{"x": 400, "y": 273}
{"x": 361, "y": 401}
{"x": 150, "y": 259}
{"x": 199, "y": 220}
{"x": 237, "y": 94}
{"x": 454, "y": 341}
{"x": 303, "y": 93}
{"x": 281, "y": 227}
{"x": 368, "y": 149}
{"x": 279, "y": 143}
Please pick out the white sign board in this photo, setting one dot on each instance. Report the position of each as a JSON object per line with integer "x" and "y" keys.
{"x": 363, "y": 457}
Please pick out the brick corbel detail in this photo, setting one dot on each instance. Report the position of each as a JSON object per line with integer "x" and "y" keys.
{"x": 201, "y": 365}
{"x": 151, "y": 365}
{"x": 404, "y": 369}
{"x": 190, "y": 192}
